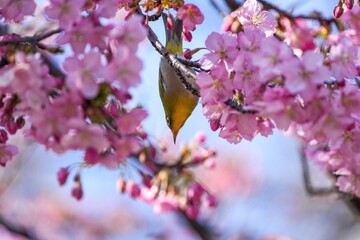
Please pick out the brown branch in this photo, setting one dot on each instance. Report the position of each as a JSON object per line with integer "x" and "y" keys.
{"x": 313, "y": 16}
{"x": 310, "y": 189}
{"x": 31, "y": 40}
{"x": 202, "y": 230}
{"x": 232, "y": 4}
{"x": 217, "y": 7}
{"x": 17, "y": 230}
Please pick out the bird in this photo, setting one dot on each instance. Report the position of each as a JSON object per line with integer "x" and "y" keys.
{"x": 177, "y": 101}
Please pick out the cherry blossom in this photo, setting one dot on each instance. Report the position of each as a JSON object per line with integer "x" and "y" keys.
{"x": 66, "y": 12}
{"x": 251, "y": 17}
{"x": 191, "y": 16}
{"x": 16, "y": 10}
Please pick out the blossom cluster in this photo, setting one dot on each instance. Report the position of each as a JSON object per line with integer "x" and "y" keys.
{"x": 84, "y": 105}
{"x": 189, "y": 13}
{"x": 166, "y": 182}
{"x": 256, "y": 83}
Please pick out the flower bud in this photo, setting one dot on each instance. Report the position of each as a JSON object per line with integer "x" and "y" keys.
{"x": 3, "y": 136}
{"x": 200, "y": 137}
{"x": 349, "y": 4}
{"x": 170, "y": 23}
{"x": 10, "y": 126}
{"x": 187, "y": 36}
{"x": 188, "y": 54}
{"x": 20, "y": 122}
{"x": 133, "y": 189}
{"x": 77, "y": 191}
{"x": 211, "y": 201}
{"x": 192, "y": 212}
{"x": 214, "y": 124}
{"x": 62, "y": 175}
{"x": 338, "y": 11}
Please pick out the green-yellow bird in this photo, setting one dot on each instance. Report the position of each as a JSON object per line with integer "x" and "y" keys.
{"x": 178, "y": 102}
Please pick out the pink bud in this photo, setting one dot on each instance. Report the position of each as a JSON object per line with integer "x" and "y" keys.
{"x": 210, "y": 163}
{"x": 349, "y": 4}
{"x": 211, "y": 201}
{"x": 11, "y": 126}
{"x": 187, "y": 36}
{"x": 62, "y": 175}
{"x": 129, "y": 13}
{"x": 91, "y": 156}
{"x": 192, "y": 212}
{"x": 338, "y": 11}
{"x": 113, "y": 108}
{"x": 227, "y": 22}
{"x": 3, "y": 136}
{"x": 200, "y": 137}
{"x": 188, "y": 54}
{"x": 214, "y": 124}
{"x": 20, "y": 122}
{"x": 77, "y": 191}
{"x": 170, "y": 23}
{"x": 133, "y": 189}
{"x": 195, "y": 191}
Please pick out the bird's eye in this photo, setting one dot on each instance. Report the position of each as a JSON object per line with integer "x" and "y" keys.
{"x": 168, "y": 121}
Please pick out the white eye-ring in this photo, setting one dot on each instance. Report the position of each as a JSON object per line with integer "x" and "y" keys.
{"x": 168, "y": 121}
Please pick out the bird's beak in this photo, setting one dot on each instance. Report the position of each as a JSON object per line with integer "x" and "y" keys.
{"x": 175, "y": 133}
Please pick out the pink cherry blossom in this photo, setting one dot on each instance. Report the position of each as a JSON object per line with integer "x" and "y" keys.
{"x": 251, "y": 17}
{"x": 124, "y": 69}
{"x": 130, "y": 33}
{"x": 273, "y": 58}
{"x": 222, "y": 48}
{"x": 191, "y": 16}
{"x": 307, "y": 74}
{"x": 85, "y": 32}
{"x": 7, "y": 152}
{"x": 128, "y": 122}
{"x": 250, "y": 40}
{"x": 83, "y": 73}
{"x": 216, "y": 85}
{"x": 343, "y": 58}
{"x": 299, "y": 34}
{"x": 16, "y": 10}
{"x": 66, "y": 12}
{"x": 246, "y": 77}
{"x": 84, "y": 136}
{"x": 352, "y": 18}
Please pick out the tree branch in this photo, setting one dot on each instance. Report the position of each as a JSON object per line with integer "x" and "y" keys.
{"x": 307, "y": 180}
{"x": 31, "y": 40}
{"x": 17, "y": 230}
{"x": 201, "y": 230}
{"x": 221, "y": 11}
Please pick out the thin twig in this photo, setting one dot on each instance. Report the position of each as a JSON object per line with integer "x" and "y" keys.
{"x": 17, "y": 230}
{"x": 221, "y": 11}
{"x": 202, "y": 230}
{"x": 317, "y": 17}
{"x": 310, "y": 189}
{"x": 32, "y": 40}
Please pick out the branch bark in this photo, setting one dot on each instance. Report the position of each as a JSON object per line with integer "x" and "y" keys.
{"x": 17, "y": 230}
{"x": 31, "y": 40}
